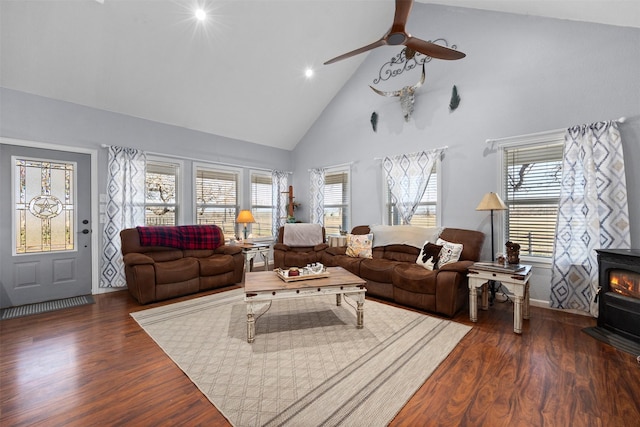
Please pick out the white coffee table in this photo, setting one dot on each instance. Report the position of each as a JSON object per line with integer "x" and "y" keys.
{"x": 263, "y": 287}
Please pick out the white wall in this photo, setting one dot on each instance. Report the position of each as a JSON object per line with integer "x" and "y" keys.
{"x": 521, "y": 75}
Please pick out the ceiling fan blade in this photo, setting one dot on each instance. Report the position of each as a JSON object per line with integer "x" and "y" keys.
{"x": 433, "y": 50}
{"x": 373, "y": 45}
{"x": 403, "y": 8}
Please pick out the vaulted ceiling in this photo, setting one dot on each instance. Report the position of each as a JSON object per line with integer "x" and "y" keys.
{"x": 240, "y": 73}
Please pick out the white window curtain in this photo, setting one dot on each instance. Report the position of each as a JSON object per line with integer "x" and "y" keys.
{"x": 592, "y": 213}
{"x": 125, "y": 209}
{"x": 407, "y": 177}
{"x": 280, "y": 182}
{"x": 316, "y": 196}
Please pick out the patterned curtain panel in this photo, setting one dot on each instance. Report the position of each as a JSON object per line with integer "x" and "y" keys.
{"x": 280, "y": 186}
{"x": 316, "y": 195}
{"x": 407, "y": 178}
{"x": 592, "y": 213}
{"x": 125, "y": 209}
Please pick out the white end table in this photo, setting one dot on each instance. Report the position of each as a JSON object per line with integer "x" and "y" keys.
{"x": 515, "y": 279}
{"x": 251, "y": 250}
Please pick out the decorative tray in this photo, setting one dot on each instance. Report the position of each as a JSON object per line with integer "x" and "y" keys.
{"x": 284, "y": 275}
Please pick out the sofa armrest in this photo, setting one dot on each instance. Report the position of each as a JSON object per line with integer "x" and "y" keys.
{"x": 320, "y": 247}
{"x": 137, "y": 259}
{"x": 281, "y": 247}
{"x": 461, "y": 267}
{"x": 228, "y": 250}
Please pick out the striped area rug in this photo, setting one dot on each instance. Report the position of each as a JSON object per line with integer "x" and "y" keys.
{"x": 43, "y": 307}
{"x": 309, "y": 364}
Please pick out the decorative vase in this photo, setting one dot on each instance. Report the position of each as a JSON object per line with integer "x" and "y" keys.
{"x": 513, "y": 253}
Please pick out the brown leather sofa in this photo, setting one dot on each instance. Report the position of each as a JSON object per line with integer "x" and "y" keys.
{"x": 285, "y": 256}
{"x": 393, "y": 274}
{"x": 157, "y": 273}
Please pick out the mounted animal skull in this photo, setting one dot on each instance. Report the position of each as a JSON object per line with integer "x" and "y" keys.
{"x": 406, "y": 95}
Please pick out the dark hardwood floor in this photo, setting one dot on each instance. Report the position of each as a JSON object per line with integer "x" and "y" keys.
{"x": 93, "y": 365}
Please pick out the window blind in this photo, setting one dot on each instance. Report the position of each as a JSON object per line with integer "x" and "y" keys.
{"x": 532, "y": 179}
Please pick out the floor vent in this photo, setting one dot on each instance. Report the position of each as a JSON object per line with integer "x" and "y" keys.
{"x": 43, "y": 307}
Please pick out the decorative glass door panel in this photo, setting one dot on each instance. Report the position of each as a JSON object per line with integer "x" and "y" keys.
{"x": 45, "y": 206}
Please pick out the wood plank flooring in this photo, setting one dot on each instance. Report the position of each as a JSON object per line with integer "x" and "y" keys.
{"x": 93, "y": 365}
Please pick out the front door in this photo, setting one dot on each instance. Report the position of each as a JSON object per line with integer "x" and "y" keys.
{"x": 45, "y": 230}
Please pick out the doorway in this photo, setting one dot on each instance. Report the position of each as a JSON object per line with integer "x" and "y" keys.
{"x": 46, "y": 240}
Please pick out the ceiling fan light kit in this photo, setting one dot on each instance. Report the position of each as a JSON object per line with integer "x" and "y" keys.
{"x": 397, "y": 36}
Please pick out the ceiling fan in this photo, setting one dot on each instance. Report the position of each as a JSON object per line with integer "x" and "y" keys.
{"x": 397, "y": 35}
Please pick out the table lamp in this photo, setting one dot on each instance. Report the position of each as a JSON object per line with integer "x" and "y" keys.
{"x": 245, "y": 217}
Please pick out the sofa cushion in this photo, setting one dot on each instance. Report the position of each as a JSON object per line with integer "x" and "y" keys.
{"x": 217, "y": 264}
{"x": 429, "y": 256}
{"x": 176, "y": 271}
{"x": 404, "y": 253}
{"x": 450, "y": 252}
{"x": 414, "y": 278}
{"x": 378, "y": 270}
{"x": 359, "y": 245}
{"x": 351, "y": 264}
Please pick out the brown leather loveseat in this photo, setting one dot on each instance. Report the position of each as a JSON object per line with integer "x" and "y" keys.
{"x": 392, "y": 272}
{"x": 172, "y": 267}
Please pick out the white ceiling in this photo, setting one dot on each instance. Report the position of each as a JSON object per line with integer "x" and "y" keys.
{"x": 240, "y": 74}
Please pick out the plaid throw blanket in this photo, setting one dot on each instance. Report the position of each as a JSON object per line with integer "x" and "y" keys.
{"x": 182, "y": 236}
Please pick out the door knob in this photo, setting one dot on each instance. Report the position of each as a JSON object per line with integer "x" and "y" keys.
{"x": 85, "y": 231}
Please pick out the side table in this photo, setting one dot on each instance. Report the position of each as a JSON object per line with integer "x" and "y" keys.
{"x": 514, "y": 278}
{"x": 251, "y": 250}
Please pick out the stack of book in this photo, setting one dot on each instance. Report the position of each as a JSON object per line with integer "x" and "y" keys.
{"x": 500, "y": 267}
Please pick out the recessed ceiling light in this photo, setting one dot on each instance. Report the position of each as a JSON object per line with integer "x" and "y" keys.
{"x": 308, "y": 73}
{"x": 201, "y": 15}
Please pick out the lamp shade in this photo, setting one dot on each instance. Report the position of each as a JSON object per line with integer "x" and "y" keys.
{"x": 491, "y": 202}
{"x": 245, "y": 217}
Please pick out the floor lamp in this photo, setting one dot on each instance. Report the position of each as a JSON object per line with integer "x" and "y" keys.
{"x": 492, "y": 202}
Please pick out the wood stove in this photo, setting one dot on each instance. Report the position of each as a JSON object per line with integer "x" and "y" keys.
{"x": 619, "y": 292}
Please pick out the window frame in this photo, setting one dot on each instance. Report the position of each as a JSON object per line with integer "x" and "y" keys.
{"x": 252, "y": 207}
{"x": 520, "y": 142}
{"x": 346, "y": 188}
{"x": 179, "y": 186}
{"x": 214, "y": 167}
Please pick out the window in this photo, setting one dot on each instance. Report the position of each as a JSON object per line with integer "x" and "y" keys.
{"x": 217, "y": 197}
{"x": 44, "y": 204}
{"x": 426, "y": 212}
{"x": 161, "y": 188}
{"x": 337, "y": 200}
{"x": 261, "y": 203}
{"x": 532, "y": 176}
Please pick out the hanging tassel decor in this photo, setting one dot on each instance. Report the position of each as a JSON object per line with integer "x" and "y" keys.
{"x": 455, "y": 99}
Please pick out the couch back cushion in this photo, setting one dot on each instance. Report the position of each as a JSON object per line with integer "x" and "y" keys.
{"x": 471, "y": 241}
{"x": 404, "y": 253}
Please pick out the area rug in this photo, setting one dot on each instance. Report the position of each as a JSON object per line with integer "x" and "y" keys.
{"x": 309, "y": 364}
{"x": 43, "y": 307}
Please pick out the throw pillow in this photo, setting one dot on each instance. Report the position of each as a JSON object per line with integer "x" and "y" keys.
{"x": 359, "y": 245}
{"x": 429, "y": 255}
{"x": 450, "y": 252}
